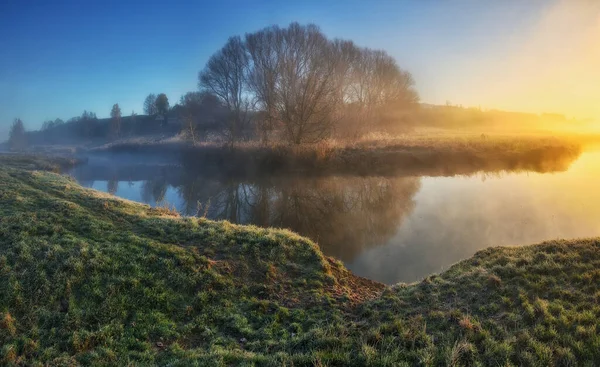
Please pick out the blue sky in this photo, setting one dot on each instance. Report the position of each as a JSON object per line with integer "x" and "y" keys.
{"x": 61, "y": 57}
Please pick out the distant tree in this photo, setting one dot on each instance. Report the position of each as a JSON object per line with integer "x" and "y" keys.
{"x": 86, "y": 124}
{"x": 133, "y": 122}
{"x": 88, "y": 115}
{"x": 176, "y": 109}
{"x": 150, "y": 105}
{"x": 49, "y": 124}
{"x": 190, "y": 109}
{"x": 377, "y": 94}
{"x": 162, "y": 104}
{"x": 16, "y": 137}
{"x": 225, "y": 76}
{"x": 387, "y": 90}
{"x": 115, "y": 119}
{"x": 200, "y": 111}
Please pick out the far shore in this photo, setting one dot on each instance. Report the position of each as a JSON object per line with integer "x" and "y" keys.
{"x": 435, "y": 156}
{"x": 418, "y": 154}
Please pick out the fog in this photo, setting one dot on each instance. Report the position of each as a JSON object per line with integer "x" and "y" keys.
{"x": 552, "y": 67}
{"x": 456, "y": 217}
{"x": 544, "y": 60}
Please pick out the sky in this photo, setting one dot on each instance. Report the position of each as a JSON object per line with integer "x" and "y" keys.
{"x": 62, "y": 57}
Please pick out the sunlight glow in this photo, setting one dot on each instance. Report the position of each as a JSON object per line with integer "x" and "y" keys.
{"x": 553, "y": 68}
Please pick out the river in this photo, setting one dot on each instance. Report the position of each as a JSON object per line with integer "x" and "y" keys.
{"x": 389, "y": 229}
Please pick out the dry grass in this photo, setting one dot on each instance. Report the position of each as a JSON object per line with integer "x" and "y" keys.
{"x": 375, "y": 154}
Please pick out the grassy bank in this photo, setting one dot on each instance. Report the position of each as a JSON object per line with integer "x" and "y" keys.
{"x": 38, "y": 162}
{"x": 86, "y": 278}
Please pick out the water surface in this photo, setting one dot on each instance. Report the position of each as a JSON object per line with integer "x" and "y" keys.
{"x": 390, "y": 229}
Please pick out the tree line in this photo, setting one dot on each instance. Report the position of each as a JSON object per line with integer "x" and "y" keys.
{"x": 289, "y": 84}
{"x": 88, "y": 126}
{"x": 296, "y": 81}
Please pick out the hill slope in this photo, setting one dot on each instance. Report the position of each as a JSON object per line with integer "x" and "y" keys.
{"x": 86, "y": 278}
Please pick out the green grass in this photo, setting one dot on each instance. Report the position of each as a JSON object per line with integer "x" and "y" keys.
{"x": 88, "y": 279}
{"x": 37, "y": 162}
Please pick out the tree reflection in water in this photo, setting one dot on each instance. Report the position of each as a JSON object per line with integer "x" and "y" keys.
{"x": 154, "y": 189}
{"x": 343, "y": 214}
{"x": 351, "y": 218}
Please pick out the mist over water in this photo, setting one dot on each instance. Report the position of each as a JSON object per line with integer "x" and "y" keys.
{"x": 454, "y": 217}
{"x": 390, "y": 229}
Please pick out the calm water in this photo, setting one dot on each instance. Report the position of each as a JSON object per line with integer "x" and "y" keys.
{"x": 390, "y": 229}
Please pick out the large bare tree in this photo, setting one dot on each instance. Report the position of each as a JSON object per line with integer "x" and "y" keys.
{"x": 225, "y": 76}
{"x": 292, "y": 78}
{"x": 263, "y": 77}
{"x": 306, "y": 86}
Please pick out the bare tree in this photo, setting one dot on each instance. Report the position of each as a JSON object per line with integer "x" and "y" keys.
{"x": 293, "y": 79}
{"x": 190, "y": 109}
{"x": 115, "y": 121}
{"x": 150, "y": 105}
{"x": 298, "y": 80}
{"x": 379, "y": 92}
{"x": 263, "y": 76}
{"x": 225, "y": 77}
{"x": 16, "y": 137}
{"x": 200, "y": 111}
{"x": 347, "y": 119}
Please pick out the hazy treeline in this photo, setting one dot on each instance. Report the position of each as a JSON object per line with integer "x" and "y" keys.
{"x": 299, "y": 86}
{"x": 88, "y": 127}
{"x": 283, "y": 84}
{"x": 289, "y": 84}
{"x": 458, "y": 117}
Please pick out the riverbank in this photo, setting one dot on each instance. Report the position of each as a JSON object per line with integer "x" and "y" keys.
{"x": 42, "y": 162}
{"x": 410, "y": 155}
{"x": 86, "y": 278}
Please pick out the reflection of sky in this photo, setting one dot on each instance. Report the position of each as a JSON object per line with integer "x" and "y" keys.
{"x": 456, "y": 216}
{"x": 132, "y": 190}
